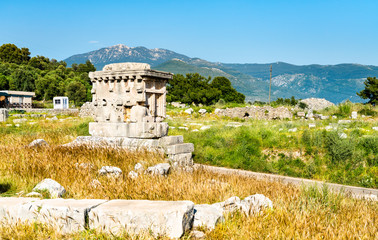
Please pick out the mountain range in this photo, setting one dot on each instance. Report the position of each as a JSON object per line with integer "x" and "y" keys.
{"x": 335, "y": 83}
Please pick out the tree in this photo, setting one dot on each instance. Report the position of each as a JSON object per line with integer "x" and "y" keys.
{"x": 4, "y": 82}
{"x": 76, "y": 92}
{"x": 12, "y": 54}
{"x": 371, "y": 90}
{"x": 23, "y": 78}
{"x": 228, "y": 93}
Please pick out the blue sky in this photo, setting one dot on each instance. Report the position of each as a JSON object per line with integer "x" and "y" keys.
{"x": 298, "y": 32}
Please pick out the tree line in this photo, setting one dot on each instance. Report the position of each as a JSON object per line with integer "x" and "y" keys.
{"x": 49, "y": 78}
{"x": 194, "y": 88}
{"x": 46, "y": 77}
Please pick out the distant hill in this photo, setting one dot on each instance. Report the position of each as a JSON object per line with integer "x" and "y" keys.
{"x": 336, "y": 83}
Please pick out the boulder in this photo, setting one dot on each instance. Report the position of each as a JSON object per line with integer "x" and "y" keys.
{"x": 159, "y": 169}
{"x": 54, "y": 188}
{"x": 208, "y": 216}
{"x": 254, "y": 204}
{"x": 202, "y": 111}
{"x": 354, "y": 115}
{"x": 205, "y": 127}
{"x": 189, "y": 111}
{"x": 110, "y": 171}
{"x": 38, "y": 143}
{"x": 169, "y": 218}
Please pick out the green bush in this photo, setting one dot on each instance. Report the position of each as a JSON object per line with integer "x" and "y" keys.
{"x": 337, "y": 148}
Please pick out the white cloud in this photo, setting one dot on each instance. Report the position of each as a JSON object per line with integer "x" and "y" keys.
{"x": 93, "y": 42}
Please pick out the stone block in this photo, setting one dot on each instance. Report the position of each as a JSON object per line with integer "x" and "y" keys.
{"x": 131, "y": 130}
{"x": 11, "y": 210}
{"x": 170, "y": 140}
{"x": 206, "y": 215}
{"x": 168, "y": 218}
{"x": 64, "y": 215}
{"x": 180, "y": 148}
{"x": 181, "y": 160}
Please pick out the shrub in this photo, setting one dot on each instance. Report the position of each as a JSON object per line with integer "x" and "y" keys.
{"x": 337, "y": 148}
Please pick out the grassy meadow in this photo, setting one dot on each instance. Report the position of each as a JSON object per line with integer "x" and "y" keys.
{"x": 299, "y": 213}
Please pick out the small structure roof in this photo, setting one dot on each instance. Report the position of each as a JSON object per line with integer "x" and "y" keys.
{"x": 16, "y": 93}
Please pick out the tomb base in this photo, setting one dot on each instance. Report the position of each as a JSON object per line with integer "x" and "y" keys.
{"x": 145, "y": 130}
{"x": 179, "y": 153}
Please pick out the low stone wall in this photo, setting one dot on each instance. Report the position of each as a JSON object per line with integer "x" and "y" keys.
{"x": 255, "y": 112}
{"x": 49, "y": 110}
{"x": 88, "y": 110}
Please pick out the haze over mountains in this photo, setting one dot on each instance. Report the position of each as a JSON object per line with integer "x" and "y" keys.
{"x": 336, "y": 83}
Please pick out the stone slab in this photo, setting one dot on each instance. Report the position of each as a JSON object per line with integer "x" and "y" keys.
{"x": 132, "y": 130}
{"x": 180, "y": 148}
{"x": 170, "y": 218}
{"x": 11, "y": 209}
{"x": 64, "y": 215}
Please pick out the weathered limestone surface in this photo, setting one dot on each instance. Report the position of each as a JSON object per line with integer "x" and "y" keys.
{"x": 206, "y": 215}
{"x": 180, "y": 148}
{"x": 64, "y": 215}
{"x": 160, "y": 217}
{"x": 129, "y": 100}
{"x": 129, "y": 106}
{"x": 11, "y": 209}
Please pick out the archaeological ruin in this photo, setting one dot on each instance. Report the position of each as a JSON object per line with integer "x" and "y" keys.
{"x": 129, "y": 102}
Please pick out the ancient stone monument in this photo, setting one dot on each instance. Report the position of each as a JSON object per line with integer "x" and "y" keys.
{"x": 129, "y": 100}
{"x": 129, "y": 107}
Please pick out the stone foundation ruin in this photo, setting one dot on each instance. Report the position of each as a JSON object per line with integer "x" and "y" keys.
{"x": 129, "y": 102}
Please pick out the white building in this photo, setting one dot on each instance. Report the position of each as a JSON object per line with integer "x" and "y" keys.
{"x": 61, "y": 103}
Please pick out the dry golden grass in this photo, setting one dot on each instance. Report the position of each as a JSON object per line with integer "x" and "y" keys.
{"x": 298, "y": 213}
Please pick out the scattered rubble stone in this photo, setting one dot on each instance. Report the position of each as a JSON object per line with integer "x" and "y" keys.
{"x": 38, "y": 143}
{"x": 256, "y": 112}
{"x": 110, "y": 171}
{"x": 292, "y": 130}
{"x": 205, "y": 127}
{"x": 202, "y": 111}
{"x": 87, "y": 110}
{"x": 317, "y": 103}
{"x": 189, "y": 111}
{"x": 312, "y": 125}
{"x": 344, "y": 121}
{"x": 159, "y": 169}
